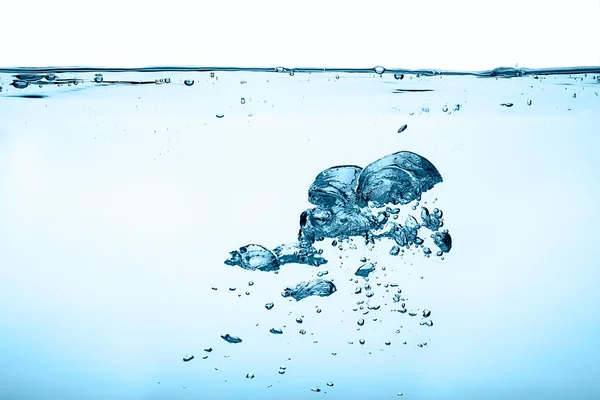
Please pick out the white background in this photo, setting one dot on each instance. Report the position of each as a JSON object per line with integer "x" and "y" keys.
{"x": 459, "y": 34}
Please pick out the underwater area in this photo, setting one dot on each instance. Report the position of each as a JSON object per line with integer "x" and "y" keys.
{"x": 268, "y": 233}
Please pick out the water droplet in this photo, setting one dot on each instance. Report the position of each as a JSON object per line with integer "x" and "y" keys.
{"x": 98, "y": 78}
{"x": 188, "y": 82}
{"x": 188, "y": 357}
{"x": 379, "y": 70}
{"x": 361, "y": 341}
{"x": 395, "y": 250}
{"x": 220, "y": 115}
{"x": 426, "y": 250}
{"x": 360, "y": 322}
{"x": 269, "y": 306}
{"x": 402, "y": 128}
{"x": 329, "y": 384}
{"x": 399, "y": 76}
{"x": 250, "y": 376}
{"x": 243, "y": 101}
{"x": 280, "y": 69}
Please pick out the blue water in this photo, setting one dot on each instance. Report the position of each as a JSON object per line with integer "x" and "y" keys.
{"x": 175, "y": 233}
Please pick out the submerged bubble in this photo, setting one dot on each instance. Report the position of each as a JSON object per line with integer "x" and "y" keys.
{"x": 253, "y": 257}
{"x": 443, "y": 241}
{"x": 395, "y": 250}
{"x": 276, "y": 331}
{"x": 427, "y": 323}
{"x": 329, "y": 384}
{"x": 402, "y": 128}
{"x": 360, "y": 322}
{"x": 299, "y": 320}
{"x": 399, "y": 76}
{"x": 231, "y": 339}
{"x": 18, "y": 84}
{"x": 529, "y": 102}
{"x": 188, "y": 357}
{"x": 316, "y": 287}
{"x": 269, "y": 306}
{"x": 188, "y": 82}
{"x": 361, "y": 341}
{"x": 398, "y": 178}
{"x": 302, "y": 331}
{"x": 98, "y": 78}
{"x": 365, "y": 269}
{"x": 243, "y": 100}
{"x": 220, "y": 115}
{"x": 426, "y": 313}
{"x": 250, "y": 376}
{"x": 315, "y": 389}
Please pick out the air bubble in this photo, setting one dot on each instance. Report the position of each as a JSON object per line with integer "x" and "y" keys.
{"x": 250, "y": 376}
{"x": 445, "y": 108}
{"x": 98, "y": 78}
{"x": 243, "y": 100}
{"x": 379, "y": 70}
{"x": 399, "y": 76}
{"x": 360, "y": 322}
{"x": 402, "y": 128}
{"x": 529, "y": 102}
{"x": 361, "y": 341}
{"x": 269, "y": 306}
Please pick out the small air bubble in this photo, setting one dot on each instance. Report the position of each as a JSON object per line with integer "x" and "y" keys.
{"x": 188, "y": 82}
{"x": 250, "y": 376}
{"x": 329, "y": 384}
{"x": 98, "y": 78}
{"x": 399, "y": 76}
{"x": 243, "y": 101}
{"x": 361, "y": 341}
{"x": 529, "y": 102}
{"x": 360, "y": 322}
{"x": 269, "y": 306}
{"x": 212, "y": 74}
{"x": 445, "y": 108}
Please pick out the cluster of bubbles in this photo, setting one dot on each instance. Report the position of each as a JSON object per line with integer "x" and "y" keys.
{"x": 352, "y": 202}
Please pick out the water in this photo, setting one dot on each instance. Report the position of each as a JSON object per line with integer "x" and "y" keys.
{"x": 174, "y": 233}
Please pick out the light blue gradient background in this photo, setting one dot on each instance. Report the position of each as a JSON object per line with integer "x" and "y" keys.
{"x": 119, "y": 205}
